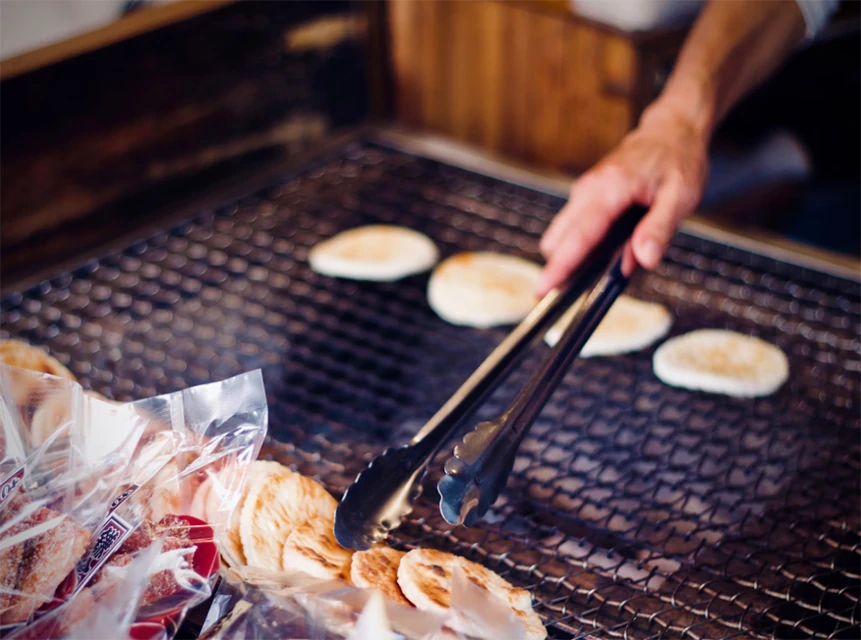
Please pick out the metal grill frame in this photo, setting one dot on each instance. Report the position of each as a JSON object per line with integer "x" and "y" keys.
{"x": 636, "y": 510}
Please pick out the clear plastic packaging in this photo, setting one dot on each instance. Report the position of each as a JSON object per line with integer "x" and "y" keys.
{"x": 106, "y": 610}
{"x": 151, "y": 494}
{"x": 256, "y": 604}
{"x": 56, "y": 485}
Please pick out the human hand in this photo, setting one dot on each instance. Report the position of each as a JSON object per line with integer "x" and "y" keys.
{"x": 662, "y": 164}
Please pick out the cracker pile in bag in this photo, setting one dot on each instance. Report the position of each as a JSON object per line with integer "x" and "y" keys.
{"x": 101, "y": 500}
{"x": 261, "y": 604}
{"x": 280, "y": 540}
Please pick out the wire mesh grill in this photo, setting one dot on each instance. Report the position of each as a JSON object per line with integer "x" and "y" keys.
{"x": 635, "y": 509}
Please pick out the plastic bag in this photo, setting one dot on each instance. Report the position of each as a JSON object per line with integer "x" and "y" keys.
{"x": 119, "y": 603}
{"x": 56, "y": 487}
{"x": 256, "y": 604}
{"x": 106, "y": 610}
{"x": 373, "y": 622}
{"x": 174, "y": 488}
{"x": 215, "y": 432}
{"x": 218, "y": 430}
{"x": 480, "y": 615}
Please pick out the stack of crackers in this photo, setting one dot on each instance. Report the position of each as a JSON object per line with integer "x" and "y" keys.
{"x": 285, "y": 522}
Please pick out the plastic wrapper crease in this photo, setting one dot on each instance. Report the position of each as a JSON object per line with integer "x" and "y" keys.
{"x": 257, "y": 604}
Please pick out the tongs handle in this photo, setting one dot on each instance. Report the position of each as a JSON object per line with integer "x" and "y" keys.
{"x": 482, "y": 462}
{"x": 538, "y": 390}
{"x": 485, "y": 378}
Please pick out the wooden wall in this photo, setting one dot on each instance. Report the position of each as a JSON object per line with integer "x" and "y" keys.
{"x": 523, "y": 79}
{"x": 96, "y": 143}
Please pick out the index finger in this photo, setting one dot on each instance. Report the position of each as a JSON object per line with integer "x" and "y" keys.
{"x": 588, "y": 216}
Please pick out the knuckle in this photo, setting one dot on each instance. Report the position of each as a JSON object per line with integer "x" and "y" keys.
{"x": 616, "y": 173}
{"x": 676, "y": 178}
{"x": 689, "y": 195}
{"x": 684, "y": 188}
{"x": 591, "y": 227}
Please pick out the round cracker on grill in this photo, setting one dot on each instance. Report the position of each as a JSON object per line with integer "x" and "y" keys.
{"x": 483, "y": 289}
{"x": 377, "y": 568}
{"x": 719, "y": 361}
{"x": 311, "y": 548}
{"x": 425, "y": 577}
{"x": 276, "y": 504}
{"x": 232, "y": 540}
{"x": 26, "y": 356}
{"x": 630, "y": 325}
{"x": 374, "y": 252}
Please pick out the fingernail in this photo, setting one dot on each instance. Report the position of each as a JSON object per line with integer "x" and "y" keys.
{"x": 650, "y": 252}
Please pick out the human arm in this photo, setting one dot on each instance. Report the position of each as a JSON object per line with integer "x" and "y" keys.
{"x": 663, "y": 163}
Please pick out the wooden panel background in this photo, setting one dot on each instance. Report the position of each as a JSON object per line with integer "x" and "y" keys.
{"x": 96, "y": 144}
{"x": 524, "y": 79}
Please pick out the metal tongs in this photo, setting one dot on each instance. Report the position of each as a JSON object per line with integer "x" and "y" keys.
{"x": 386, "y": 490}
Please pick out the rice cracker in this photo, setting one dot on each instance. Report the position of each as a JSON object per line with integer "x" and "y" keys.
{"x": 311, "y": 548}
{"x": 719, "y": 361}
{"x": 377, "y": 568}
{"x": 165, "y": 492}
{"x": 276, "y": 504}
{"x": 232, "y": 540}
{"x": 379, "y": 252}
{"x": 630, "y": 325}
{"x": 483, "y": 289}
{"x": 26, "y": 356}
{"x": 425, "y": 577}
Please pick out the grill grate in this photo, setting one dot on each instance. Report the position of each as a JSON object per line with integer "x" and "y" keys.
{"x": 635, "y": 510}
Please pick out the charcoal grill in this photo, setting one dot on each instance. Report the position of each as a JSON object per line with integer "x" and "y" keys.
{"x": 635, "y": 510}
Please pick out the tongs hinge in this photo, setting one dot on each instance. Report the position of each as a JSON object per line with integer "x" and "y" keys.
{"x": 386, "y": 490}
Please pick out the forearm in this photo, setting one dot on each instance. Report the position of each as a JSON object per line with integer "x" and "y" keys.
{"x": 663, "y": 163}
{"x": 732, "y": 47}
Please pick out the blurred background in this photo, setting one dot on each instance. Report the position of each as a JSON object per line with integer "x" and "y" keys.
{"x": 111, "y": 110}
